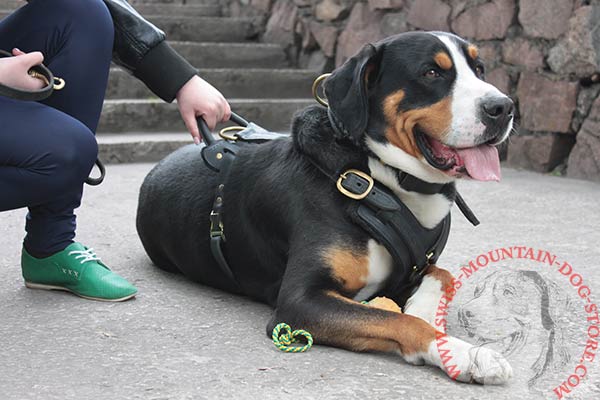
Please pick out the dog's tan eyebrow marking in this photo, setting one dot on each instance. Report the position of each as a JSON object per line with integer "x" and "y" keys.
{"x": 473, "y": 51}
{"x": 348, "y": 267}
{"x": 443, "y": 60}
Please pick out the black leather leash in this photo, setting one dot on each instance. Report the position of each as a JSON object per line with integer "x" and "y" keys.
{"x": 52, "y": 83}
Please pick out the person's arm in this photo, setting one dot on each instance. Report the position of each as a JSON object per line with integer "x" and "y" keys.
{"x": 141, "y": 48}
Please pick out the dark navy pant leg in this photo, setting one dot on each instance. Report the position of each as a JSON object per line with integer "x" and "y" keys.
{"x": 47, "y": 150}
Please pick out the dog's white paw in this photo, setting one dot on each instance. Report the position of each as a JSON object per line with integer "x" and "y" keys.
{"x": 467, "y": 363}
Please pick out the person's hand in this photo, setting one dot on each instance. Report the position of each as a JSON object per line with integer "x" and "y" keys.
{"x": 199, "y": 98}
{"x": 13, "y": 70}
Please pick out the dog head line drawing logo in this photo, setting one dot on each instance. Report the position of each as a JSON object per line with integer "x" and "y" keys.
{"x": 533, "y": 309}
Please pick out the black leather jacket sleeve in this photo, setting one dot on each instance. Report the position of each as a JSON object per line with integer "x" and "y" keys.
{"x": 141, "y": 49}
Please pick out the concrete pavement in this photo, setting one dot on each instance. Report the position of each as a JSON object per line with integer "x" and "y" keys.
{"x": 180, "y": 340}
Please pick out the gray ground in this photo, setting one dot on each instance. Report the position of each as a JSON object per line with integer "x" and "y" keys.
{"x": 179, "y": 340}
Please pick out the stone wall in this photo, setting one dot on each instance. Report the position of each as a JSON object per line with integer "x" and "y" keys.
{"x": 544, "y": 53}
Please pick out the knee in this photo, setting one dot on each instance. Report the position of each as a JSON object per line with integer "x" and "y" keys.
{"x": 73, "y": 154}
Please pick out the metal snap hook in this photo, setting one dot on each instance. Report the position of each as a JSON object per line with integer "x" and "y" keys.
{"x": 59, "y": 83}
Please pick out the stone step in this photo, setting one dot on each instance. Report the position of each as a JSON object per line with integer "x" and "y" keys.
{"x": 138, "y": 147}
{"x": 191, "y": 2}
{"x": 119, "y": 148}
{"x": 11, "y": 4}
{"x": 232, "y": 55}
{"x": 206, "y": 29}
{"x": 156, "y": 116}
{"x": 178, "y": 10}
{"x": 233, "y": 83}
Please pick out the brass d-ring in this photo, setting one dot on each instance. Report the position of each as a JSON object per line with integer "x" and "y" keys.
{"x": 315, "y": 90}
{"x": 234, "y": 137}
{"x": 59, "y": 83}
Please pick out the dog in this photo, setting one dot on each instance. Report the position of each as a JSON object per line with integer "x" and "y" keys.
{"x": 525, "y": 321}
{"x": 415, "y": 102}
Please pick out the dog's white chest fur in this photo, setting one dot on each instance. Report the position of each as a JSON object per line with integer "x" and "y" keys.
{"x": 380, "y": 268}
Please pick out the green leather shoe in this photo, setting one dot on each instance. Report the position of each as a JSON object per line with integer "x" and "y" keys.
{"x": 78, "y": 270}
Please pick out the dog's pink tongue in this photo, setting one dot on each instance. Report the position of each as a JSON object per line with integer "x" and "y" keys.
{"x": 482, "y": 162}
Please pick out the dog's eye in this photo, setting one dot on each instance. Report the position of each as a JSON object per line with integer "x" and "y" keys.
{"x": 432, "y": 73}
{"x": 479, "y": 70}
{"x": 508, "y": 292}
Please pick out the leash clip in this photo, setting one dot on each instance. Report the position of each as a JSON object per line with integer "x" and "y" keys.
{"x": 352, "y": 195}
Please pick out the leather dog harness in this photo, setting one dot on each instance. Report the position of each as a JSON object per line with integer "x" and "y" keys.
{"x": 374, "y": 207}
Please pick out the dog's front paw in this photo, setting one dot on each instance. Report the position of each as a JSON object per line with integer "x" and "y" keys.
{"x": 467, "y": 363}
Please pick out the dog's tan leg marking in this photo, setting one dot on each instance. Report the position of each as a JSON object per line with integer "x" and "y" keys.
{"x": 425, "y": 301}
{"x": 339, "y": 321}
{"x": 384, "y": 303}
{"x": 435, "y": 119}
{"x": 349, "y": 267}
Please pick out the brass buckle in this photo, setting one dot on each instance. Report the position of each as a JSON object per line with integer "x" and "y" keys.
{"x": 348, "y": 193}
{"x": 234, "y": 137}
{"x": 315, "y": 90}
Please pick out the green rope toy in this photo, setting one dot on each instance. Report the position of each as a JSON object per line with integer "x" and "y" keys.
{"x": 283, "y": 337}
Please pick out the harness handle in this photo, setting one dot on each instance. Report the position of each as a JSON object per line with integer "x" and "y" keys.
{"x": 207, "y": 136}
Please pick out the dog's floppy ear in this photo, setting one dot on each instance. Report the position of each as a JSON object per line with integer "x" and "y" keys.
{"x": 347, "y": 92}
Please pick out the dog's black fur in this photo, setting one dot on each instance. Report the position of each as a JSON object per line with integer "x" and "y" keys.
{"x": 289, "y": 242}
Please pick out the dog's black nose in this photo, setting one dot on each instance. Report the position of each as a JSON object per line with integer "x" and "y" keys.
{"x": 496, "y": 110}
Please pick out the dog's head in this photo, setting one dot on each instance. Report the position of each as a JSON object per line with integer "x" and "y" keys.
{"x": 419, "y": 102}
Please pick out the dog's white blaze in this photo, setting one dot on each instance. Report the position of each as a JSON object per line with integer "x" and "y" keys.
{"x": 380, "y": 268}
{"x": 424, "y": 302}
{"x": 429, "y": 209}
{"x": 466, "y": 127}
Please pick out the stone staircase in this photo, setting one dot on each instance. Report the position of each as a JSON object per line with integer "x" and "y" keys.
{"x": 256, "y": 78}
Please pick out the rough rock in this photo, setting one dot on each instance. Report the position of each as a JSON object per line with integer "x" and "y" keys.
{"x": 499, "y": 78}
{"x": 540, "y": 153}
{"x": 522, "y": 52}
{"x": 585, "y": 99}
{"x": 545, "y": 18}
{"x": 363, "y": 27}
{"x": 329, "y": 10}
{"x": 579, "y": 51}
{"x": 489, "y": 53}
{"x": 545, "y": 105}
{"x": 485, "y": 21}
{"x": 315, "y": 61}
{"x": 282, "y": 23}
{"x": 262, "y": 5}
{"x": 393, "y": 23}
{"x": 308, "y": 40}
{"x": 386, "y": 4}
{"x": 584, "y": 160}
{"x": 326, "y": 37}
{"x": 429, "y": 15}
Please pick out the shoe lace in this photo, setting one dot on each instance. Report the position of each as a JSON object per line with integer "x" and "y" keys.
{"x": 86, "y": 255}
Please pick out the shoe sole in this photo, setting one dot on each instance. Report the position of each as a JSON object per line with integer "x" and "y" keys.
{"x": 40, "y": 286}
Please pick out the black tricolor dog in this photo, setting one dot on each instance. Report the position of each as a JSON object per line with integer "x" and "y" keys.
{"x": 412, "y": 104}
